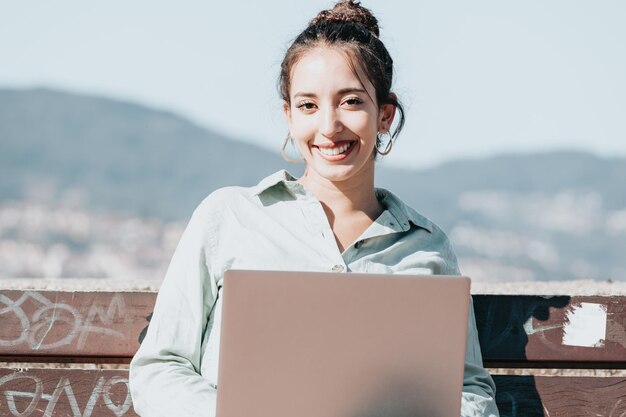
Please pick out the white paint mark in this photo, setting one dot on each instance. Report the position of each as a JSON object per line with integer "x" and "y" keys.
{"x": 101, "y": 390}
{"x": 45, "y": 319}
{"x": 615, "y": 408}
{"x": 24, "y": 322}
{"x": 118, "y": 410}
{"x": 10, "y": 395}
{"x": 49, "y": 315}
{"x": 530, "y": 328}
{"x": 585, "y": 325}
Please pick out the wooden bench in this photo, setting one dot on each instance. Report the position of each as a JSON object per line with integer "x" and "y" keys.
{"x": 99, "y": 332}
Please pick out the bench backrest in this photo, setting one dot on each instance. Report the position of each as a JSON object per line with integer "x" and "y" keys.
{"x": 106, "y": 328}
{"x": 555, "y": 333}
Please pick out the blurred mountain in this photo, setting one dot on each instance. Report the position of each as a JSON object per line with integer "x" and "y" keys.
{"x": 116, "y": 155}
{"x": 525, "y": 174}
{"x": 552, "y": 215}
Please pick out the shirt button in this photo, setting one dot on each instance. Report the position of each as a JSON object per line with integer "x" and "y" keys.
{"x": 337, "y": 268}
{"x": 358, "y": 244}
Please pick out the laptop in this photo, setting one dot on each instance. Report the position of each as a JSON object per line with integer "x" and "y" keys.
{"x": 316, "y": 344}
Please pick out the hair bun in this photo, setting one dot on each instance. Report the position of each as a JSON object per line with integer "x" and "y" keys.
{"x": 348, "y": 11}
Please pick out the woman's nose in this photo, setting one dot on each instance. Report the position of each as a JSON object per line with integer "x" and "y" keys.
{"x": 330, "y": 123}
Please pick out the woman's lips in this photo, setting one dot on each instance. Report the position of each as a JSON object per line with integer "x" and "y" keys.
{"x": 335, "y": 151}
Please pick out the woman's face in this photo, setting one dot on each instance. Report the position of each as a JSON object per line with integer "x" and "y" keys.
{"x": 332, "y": 116}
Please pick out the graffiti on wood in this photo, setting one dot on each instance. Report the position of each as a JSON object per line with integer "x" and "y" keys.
{"x": 23, "y": 395}
{"x": 53, "y": 324}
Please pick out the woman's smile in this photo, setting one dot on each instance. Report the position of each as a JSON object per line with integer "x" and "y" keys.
{"x": 335, "y": 151}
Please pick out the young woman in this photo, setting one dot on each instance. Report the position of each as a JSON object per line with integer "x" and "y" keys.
{"x": 336, "y": 85}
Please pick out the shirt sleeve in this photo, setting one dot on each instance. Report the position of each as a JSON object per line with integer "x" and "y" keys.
{"x": 165, "y": 375}
{"x": 479, "y": 391}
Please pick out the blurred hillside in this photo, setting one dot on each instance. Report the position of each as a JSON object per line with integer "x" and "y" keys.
{"x": 98, "y": 187}
{"x": 114, "y": 155}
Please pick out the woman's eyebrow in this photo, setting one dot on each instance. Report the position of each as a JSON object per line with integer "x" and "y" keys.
{"x": 302, "y": 94}
{"x": 340, "y": 92}
{"x": 351, "y": 90}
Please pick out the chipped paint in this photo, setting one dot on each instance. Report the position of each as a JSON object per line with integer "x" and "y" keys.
{"x": 585, "y": 325}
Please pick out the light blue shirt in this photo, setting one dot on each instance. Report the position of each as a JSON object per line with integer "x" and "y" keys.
{"x": 275, "y": 225}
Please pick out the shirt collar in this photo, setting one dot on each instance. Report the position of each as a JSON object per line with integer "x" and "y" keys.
{"x": 405, "y": 215}
{"x": 280, "y": 177}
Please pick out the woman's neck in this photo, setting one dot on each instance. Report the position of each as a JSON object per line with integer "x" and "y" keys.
{"x": 350, "y": 206}
{"x": 344, "y": 198}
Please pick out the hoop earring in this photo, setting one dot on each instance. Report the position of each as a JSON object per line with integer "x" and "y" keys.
{"x": 379, "y": 142}
{"x": 283, "y": 152}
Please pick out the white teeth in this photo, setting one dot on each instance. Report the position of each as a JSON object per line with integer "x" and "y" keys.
{"x": 336, "y": 150}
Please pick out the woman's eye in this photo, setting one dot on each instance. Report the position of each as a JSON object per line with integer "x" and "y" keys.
{"x": 353, "y": 101}
{"x": 306, "y": 105}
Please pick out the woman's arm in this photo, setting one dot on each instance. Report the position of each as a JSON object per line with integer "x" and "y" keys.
{"x": 479, "y": 391}
{"x": 165, "y": 375}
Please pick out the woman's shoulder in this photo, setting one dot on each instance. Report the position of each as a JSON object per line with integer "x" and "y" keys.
{"x": 406, "y": 214}
{"x": 233, "y": 196}
{"x": 423, "y": 237}
{"x": 222, "y": 198}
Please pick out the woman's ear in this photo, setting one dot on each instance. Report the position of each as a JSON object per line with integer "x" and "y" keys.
{"x": 287, "y": 113}
{"x": 385, "y": 116}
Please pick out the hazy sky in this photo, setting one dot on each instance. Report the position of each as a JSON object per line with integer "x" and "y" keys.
{"x": 477, "y": 77}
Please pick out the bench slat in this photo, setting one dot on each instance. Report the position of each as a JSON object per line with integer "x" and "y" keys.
{"x": 556, "y": 331}
{"x": 65, "y": 392}
{"x": 50, "y": 325}
{"x": 104, "y": 393}
{"x": 514, "y": 331}
{"x": 549, "y": 396}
